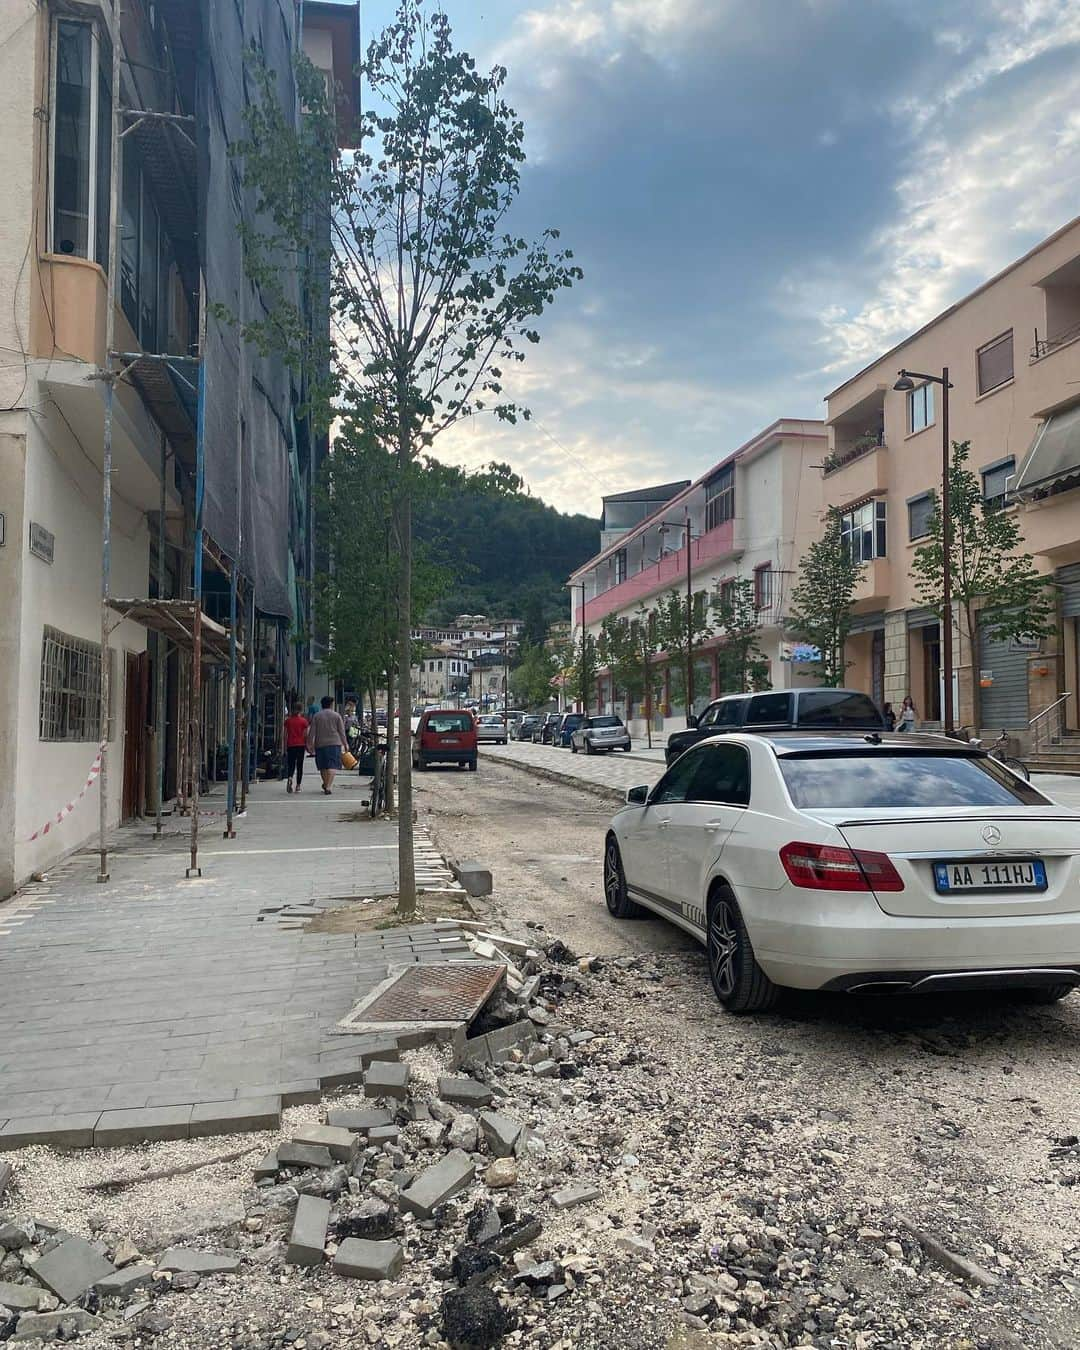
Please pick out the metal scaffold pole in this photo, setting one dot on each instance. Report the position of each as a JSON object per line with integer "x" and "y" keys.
{"x": 195, "y": 733}
{"x": 115, "y": 166}
{"x": 249, "y": 696}
{"x": 162, "y": 654}
{"x": 230, "y": 797}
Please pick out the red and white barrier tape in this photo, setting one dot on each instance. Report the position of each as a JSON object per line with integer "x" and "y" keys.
{"x": 95, "y": 770}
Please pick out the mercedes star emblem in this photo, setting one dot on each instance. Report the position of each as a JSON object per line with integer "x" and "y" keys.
{"x": 992, "y": 834}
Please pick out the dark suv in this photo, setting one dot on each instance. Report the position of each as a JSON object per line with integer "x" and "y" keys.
{"x": 545, "y": 732}
{"x": 780, "y": 709}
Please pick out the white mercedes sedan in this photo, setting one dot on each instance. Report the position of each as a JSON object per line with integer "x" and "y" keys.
{"x": 854, "y": 861}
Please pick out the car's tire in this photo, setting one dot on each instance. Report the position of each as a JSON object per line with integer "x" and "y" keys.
{"x": 738, "y": 981}
{"x": 1052, "y": 993}
{"x": 588, "y": 747}
{"x": 619, "y": 904}
{"x": 472, "y": 765}
{"x": 573, "y": 748}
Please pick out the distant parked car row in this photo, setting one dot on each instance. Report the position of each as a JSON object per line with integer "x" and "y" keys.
{"x": 574, "y": 731}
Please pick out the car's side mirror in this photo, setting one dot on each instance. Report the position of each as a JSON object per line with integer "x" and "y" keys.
{"x": 637, "y": 796}
{"x": 691, "y": 721}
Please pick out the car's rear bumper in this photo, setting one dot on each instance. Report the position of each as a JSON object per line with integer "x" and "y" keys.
{"x": 624, "y": 744}
{"x": 446, "y": 756}
{"x": 809, "y": 940}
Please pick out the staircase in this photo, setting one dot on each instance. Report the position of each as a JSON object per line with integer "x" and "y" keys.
{"x": 1060, "y": 755}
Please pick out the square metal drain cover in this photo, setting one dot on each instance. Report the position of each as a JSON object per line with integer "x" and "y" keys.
{"x": 436, "y": 997}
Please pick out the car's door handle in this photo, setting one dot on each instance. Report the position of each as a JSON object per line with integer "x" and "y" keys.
{"x": 662, "y": 824}
{"x": 713, "y": 825}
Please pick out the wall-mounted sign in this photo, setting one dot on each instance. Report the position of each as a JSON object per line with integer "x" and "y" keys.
{"x": 42, "y": 542}
{"x": 986, "y": 679}
{"x": 799, "y": 651}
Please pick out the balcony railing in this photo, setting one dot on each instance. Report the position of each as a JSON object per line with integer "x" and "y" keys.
{"x": 1044, "y": 346}
{"x": 864, "y": 445}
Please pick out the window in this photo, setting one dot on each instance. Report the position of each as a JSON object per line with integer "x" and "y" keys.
{"x": 720, "y": 497}
{"x": 920, "y": 407}
{"x": 82, "y": 143}
{"x": 675, "y": 785}
{"x": 919, "y": 510}
{"x": 885, "y": 780}
{"x": 620, "y": 566}
{"x": 996, "y": 482}
{"x": 150, "y": 292}
{"x": 723, "y": 776}
{"x": 862, "y": 531}
{"x": 450, "y": 722}
{"x": 726, "y": 595}
{"x": 835, "y": 708}
{"x": 994, "y": 363}
{"x": 765, "y": 709}
{"x": 730, "y": 712}
{"x": 763, "y": 586}
{"x": 70, "y": 688}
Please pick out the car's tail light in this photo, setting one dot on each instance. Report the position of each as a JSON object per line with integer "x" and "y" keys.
{"x": 821, "y": 867}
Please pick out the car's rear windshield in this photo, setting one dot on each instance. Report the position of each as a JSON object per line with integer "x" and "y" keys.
{"x": 450, "y": 722}
{"x": 887, "y": 779}
{"x": 492, "y": 720}
{"x": 836, "y": 708}
{"x": 605, "y": 722}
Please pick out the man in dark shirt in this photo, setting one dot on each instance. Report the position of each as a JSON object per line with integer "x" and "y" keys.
{"x": 326, "y": 739}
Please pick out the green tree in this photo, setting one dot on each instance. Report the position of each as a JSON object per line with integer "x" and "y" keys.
{"x": 530, "y": 681}
{"x": 431, "y": 297}
{"x": 820, "y": 613}
{"x": 583, "y": 669}
{"x": 995, "y": 587}
{"x": 682, "y": 625}
{"x": 742, "y": 664}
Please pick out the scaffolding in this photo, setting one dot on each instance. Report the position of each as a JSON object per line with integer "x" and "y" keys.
{"x": 166, "y": 141}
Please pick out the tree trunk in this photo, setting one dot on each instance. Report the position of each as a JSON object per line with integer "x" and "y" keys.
{"x": 406, "y": 862}
{"x": 388, "y": 786}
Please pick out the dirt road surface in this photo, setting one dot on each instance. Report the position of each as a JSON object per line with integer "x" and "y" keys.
{"x": 835, "y": 1119}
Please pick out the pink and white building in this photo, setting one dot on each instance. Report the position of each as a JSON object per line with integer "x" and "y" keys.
{"x": 751, "y": 515}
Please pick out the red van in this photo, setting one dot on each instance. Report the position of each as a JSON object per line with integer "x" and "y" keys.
{"x": 445, "y": 736}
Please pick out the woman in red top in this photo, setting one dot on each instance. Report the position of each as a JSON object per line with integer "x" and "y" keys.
{"x": 295, "y": 745}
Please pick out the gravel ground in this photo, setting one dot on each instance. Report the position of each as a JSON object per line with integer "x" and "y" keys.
{"x": 772, "y": 1181}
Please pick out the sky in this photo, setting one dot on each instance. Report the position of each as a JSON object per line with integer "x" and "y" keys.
{"x": 764, "y": 195}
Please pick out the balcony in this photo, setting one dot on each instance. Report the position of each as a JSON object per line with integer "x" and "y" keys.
{"x": 848, "y": 451}
{"x": 1045, "y": 346}
{"x": 873, "y": 588}
{"x": 70, "y": 306}
{"x": 669, "y": 572}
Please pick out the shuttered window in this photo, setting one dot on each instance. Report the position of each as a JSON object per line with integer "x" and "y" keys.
{"x": 920, "y": 408}
{"x": 920, "y": 509}
{"x": 996, "y": 480}
{"x": 995, "y": 362}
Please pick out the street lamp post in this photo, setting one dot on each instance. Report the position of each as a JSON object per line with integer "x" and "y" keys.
{"x": 904, "y": 385}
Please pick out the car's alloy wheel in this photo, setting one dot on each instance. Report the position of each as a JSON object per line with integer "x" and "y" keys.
{"x": 740, "y": 983}
{"x": 618, "y": 902}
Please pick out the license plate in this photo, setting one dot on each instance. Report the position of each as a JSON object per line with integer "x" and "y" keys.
{"x": 451, "y": 740}
{"x": 1007, "y": 874}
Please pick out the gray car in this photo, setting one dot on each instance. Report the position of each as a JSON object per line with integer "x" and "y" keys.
{"x": 605, "y": 731}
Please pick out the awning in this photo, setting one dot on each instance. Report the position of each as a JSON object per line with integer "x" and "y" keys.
{"x": 176, "y": 619}
{"x": 1053, "y": 462}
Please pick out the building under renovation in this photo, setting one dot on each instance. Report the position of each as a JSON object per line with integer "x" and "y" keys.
{"x": 156, "y": 472}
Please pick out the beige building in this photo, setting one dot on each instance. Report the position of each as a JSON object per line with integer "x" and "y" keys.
{"x": 1012, "y": 348}
{"x": 61, "y": 156}
{"x": 442, "y": 674}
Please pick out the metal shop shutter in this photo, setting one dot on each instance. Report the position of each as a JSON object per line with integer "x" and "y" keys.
{"x": 1005, "y": 703}
{"x": 1068, "y": 582}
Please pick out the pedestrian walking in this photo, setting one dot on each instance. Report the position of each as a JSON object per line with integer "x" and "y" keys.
{"x": 907, "y": 715}
{"x": 296, "y": 729}
{"x": 889, "y": 716}
{"x": 312, "y": 707}
{"x": 326, "y": 738}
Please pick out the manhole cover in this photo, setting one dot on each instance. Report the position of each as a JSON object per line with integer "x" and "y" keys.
{"x": 435, "y": 996}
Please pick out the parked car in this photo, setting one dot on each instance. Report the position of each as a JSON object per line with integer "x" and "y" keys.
{"x": 545, "y": 732}
{"x": 525, "y": 728}
{"x": 838, "y": 861}
{"x": 567, "y": 726}
{"x": 835, "y": 709}
{"x": 490, "y": 727}
{"x": 445, "y": 736}
{"x": 513, "y": 717}
{"x": 602, "y": 732}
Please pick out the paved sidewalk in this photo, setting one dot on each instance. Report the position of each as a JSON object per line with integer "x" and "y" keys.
{"x": 155, "y": 1007}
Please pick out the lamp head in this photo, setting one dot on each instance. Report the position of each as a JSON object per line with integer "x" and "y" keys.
{"x": 905, "y": 384}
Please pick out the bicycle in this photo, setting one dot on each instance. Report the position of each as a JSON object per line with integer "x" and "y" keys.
{"x": 996, "y": 750}
{"x": 377, "y": 802}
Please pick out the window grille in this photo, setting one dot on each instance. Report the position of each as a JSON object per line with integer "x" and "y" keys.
{"x": 71, "y": 688}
